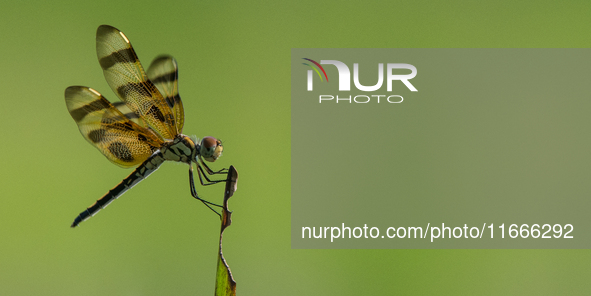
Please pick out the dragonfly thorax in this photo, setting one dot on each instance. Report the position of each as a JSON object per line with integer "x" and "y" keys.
{"x": 181, "y": 149}
{"x": 184, "y": 149}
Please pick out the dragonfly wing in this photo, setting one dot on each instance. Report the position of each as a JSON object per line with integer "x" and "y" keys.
{"x": 163, "y": 72}
{"x": 122, "y": 141}
{"x": 123, "y": 108}
{"x": 125, "y": 75}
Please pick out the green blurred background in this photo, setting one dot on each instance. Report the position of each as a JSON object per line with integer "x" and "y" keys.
{"x": 234, "y": 61}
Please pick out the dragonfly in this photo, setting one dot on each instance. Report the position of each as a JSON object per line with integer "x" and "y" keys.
{"x": 144, "y": 129}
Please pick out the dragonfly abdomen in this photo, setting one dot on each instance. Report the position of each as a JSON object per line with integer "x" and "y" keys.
{"x": 140, "y": 173}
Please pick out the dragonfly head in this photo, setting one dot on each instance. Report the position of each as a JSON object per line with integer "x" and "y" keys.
{"x": 210, "y": 148}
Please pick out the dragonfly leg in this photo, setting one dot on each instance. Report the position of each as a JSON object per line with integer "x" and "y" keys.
{"x": 196, "y": 196}
{"x": 201, "y": 172}
{"x": 211, "y": 172}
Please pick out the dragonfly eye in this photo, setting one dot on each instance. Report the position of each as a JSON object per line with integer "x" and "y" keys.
{"x": 211, "y": 149}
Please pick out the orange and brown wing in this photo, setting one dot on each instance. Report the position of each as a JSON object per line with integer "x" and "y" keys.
{"x": 164, "y": 73}
{"x": 122, "y": 141}
{"x": 125, "y": 75}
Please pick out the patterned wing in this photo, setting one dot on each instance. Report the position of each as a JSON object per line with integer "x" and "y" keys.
{"x": 163, "y": 72}
{"x": 123, "y": 108}
{"x": 125, "y": 75}
{"x": 122, "y": 141}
